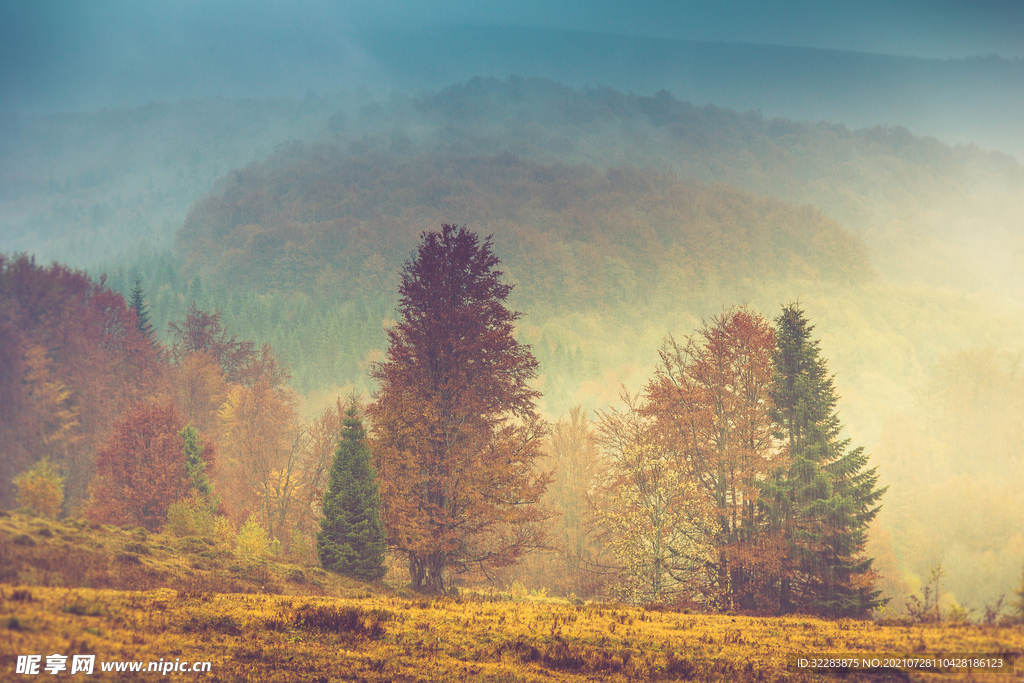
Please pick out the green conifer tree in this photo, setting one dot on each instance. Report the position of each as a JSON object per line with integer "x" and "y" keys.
{"x": 351, "y": 538}
{"x": 824, "y": 500}
{"x": 138, "y": 303}
{"x": 195, "y": 466}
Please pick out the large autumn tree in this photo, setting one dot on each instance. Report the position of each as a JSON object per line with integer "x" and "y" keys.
{"x": 455, "y": 429}
{"x": 710, "y": 401}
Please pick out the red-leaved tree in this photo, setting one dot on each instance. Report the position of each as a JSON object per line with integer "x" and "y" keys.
{"x": 455, "y": 432}
{"x": 71, "y": 359}
{"x": 141, "y": 469}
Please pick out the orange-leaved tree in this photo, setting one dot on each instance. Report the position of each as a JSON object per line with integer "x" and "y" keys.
{"x": 263, "y": 446}
{"x": 710, "y": 399}
{"x": 455, "y": 430}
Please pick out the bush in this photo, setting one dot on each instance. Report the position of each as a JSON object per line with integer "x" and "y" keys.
{"x": 224, "y": 533}
{"x": 331, "y": 619}
{"x": 190, "y": 517}
{"x": 40, "y": 489}
{"x": 1019, "y": 607}
{"x": 253, "y": 539}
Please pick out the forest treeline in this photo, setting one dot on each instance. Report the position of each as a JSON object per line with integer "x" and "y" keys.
{"x": 920, "y": 205}
{"x": 734, "y": 450}
{"x": 125, "y": 176}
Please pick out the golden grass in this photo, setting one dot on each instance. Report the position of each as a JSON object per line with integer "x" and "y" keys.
{"x": 357, "y": 632}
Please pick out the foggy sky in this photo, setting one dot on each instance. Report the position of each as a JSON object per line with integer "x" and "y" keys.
{"x": 57, "y": 55}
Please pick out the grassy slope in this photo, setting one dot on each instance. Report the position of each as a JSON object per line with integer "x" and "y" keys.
{"x": 185, "y": 599}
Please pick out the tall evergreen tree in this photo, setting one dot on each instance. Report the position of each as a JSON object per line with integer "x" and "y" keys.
{"x": 351, "y": 538}
{"x": 138, "y": 304}
{"x": 825, "y": 498}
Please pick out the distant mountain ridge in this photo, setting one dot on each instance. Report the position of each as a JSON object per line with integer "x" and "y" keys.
{"x": 957, "y": 100}
{"x": 573, "y": 236}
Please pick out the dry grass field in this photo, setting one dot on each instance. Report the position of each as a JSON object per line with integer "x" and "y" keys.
{"x": 123, "y": 596}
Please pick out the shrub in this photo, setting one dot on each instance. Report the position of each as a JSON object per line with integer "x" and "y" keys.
{"x": 252, "y": 538}
{"x": 127, "y": 558}
{"x": 1019, "y": 607}
{"x": 193, "y": 545}
{"x": 352, "y": 620}
{"x": 221, "y": 623}
{"x": 40, "y": 489}
{"x": 190, "y": 517}
{"x": 224, "y": 533}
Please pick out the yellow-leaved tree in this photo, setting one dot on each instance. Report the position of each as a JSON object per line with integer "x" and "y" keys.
{"x": 654, "y": 517}
{"x": 40, "y": 489}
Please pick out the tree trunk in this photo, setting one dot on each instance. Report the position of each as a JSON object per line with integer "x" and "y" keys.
{"x": 416, "y": 571}
{"x": 426, "y": 573}
{"x": 435, "y": 572}
{"x": 784, "y": 605}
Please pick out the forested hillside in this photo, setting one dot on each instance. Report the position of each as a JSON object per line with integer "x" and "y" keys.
{"x": 81, "y": 187}
{"x": 76, "y": 187}
{"x": 619, "y": 219}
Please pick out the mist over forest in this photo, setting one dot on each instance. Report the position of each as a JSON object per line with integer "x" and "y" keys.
{"x": 634, "y": 187}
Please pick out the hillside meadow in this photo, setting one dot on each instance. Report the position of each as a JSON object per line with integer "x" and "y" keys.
{"x": 124, "y": 595}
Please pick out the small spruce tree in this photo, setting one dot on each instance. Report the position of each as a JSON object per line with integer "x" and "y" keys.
{"x": 138, "y": 303}
{"x": 351, "y": 538}
{"x": 195, "y": 514}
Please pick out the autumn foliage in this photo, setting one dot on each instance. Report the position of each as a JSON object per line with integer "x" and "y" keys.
{"x": 711, "y": 406}
{"x": 40, "y": 489}
{"x": 73, "y": 359}
{"x": 455, "y": 433}
{"x": 141, "y": 469}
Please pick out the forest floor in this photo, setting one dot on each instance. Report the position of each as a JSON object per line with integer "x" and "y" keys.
{"x": 67, "y": 588}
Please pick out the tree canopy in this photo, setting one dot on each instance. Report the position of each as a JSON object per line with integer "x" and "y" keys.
{"x": 455, "y": 432}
